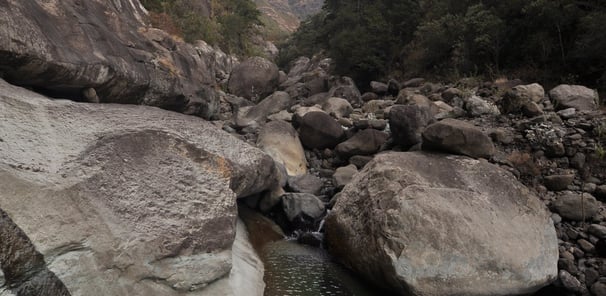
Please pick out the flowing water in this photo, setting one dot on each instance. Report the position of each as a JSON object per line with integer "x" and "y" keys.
{"x": 292, "y": 269}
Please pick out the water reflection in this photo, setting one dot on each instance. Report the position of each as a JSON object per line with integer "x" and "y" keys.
{"x": 292, "y": 269}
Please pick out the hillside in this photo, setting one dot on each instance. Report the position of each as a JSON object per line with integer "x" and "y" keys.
{"x": 282, "y": 17}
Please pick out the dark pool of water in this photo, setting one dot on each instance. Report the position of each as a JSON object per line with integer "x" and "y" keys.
{"x": 292, "y": 269}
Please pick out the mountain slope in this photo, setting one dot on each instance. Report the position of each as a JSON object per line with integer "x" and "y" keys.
{"x": 282, "y": 17}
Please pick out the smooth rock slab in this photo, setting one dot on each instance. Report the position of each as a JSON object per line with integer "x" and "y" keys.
{"x": 122, "y": 199}
{"x": 427, "y": 224}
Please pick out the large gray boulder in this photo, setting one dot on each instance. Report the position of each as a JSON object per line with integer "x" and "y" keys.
{"x": 102, "y": 51}
{"x": 254, "y": 79}
{"x": 428, "y": 224}
{"x": 574, "y": 96}
{"x": 456, "y": 136}
{"x": 120, "y": 199}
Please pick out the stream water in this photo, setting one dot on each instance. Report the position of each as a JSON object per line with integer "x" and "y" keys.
{"x": 293, "y": 269}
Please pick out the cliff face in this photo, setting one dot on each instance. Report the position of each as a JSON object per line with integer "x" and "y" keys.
{"x": 101, "y": 51}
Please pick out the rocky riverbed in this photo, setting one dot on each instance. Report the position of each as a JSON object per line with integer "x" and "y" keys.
{"x": 418, "y": 187}
{"x": 539, "y": 153}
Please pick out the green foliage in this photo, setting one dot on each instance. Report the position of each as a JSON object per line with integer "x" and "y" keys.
{"x": 231, "y": 24}
{"x": 555, "y": 40}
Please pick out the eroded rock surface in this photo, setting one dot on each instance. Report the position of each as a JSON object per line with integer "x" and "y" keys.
{"x": 66, "y": 48}
{"x": 428, "y": 224}
{"x": 123, "y": 200}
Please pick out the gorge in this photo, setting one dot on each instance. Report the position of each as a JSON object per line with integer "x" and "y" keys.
{"x": 133, "y": 162}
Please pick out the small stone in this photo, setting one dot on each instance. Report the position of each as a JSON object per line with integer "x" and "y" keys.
{"x": 359, "y": 160}
{"x": 567, "y": 255}
{"x": 558, "y": 182}
{"x": 568, "y": 265}
{"x": 578, "y": 161}
{"x": 567, "y": 113}
{"x": 305, "y": 184}
{"x": 570, "y": 282}
{"x": 598, "y": 289}
{"x": 556, "y": 218}
{"x": 343, "y": 175}
{"x": 597, "y": 230}
{"x": 591, "y": 276}
{"x": 576, "y": 207}
{"x": 600, "y": 191}
{"x": 589, "y": 187}
{"x": 578, "y": 253}
{"x": 586, "y": 246}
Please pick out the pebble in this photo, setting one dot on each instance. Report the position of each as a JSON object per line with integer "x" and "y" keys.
{"x": 569, "y": 281}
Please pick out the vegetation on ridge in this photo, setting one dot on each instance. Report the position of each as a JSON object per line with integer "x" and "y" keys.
{"x": 230, "y": 24}
{"x": 551, "y": 41}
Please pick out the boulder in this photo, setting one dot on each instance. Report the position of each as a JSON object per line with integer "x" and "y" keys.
{"x": 343, "y": 175}
{"x": 337, "y": 106}
{"x": 477, "y": 106}
{"x": 344, "y": 87}
{"x": 407, "y": 98}
{"x": 64, "y": 48}
{"x": 319, "y": 130}
{"x": 407, "y": 123}
{"x": 306, "y": 184}
{"x": 393, "y": 87}
{"x": 379, "y": 87}
{"x": 280, "y": 141}
{"x": 120, "y": 199}
{"x": 574, "y": 96}
{"x": 451, "y": 93}
{"x": 522, "y": 97}
{"x": 414, "y": 82}
{"x": 459, "y": 137}
{"x": 558, "y": 182}
{"x": 576, "y": 207}
{"x": 254, "y": 79}
{"x": 302, "y": 209}
{"x": 257, "y": 115}
{"x": 366, "y": 142}
{"x": 299, "y": 66}
{"x": 428, "y": 224}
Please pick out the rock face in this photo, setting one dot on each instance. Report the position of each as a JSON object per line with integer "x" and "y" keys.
{"x": 574, "y": 96}
{"x": 417, "y": 222}
{"x": 121, "y": 199}
{"x": 458, "y": 137}
{"x": 254, "y": 79}
{"x": 65, "y": 48}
